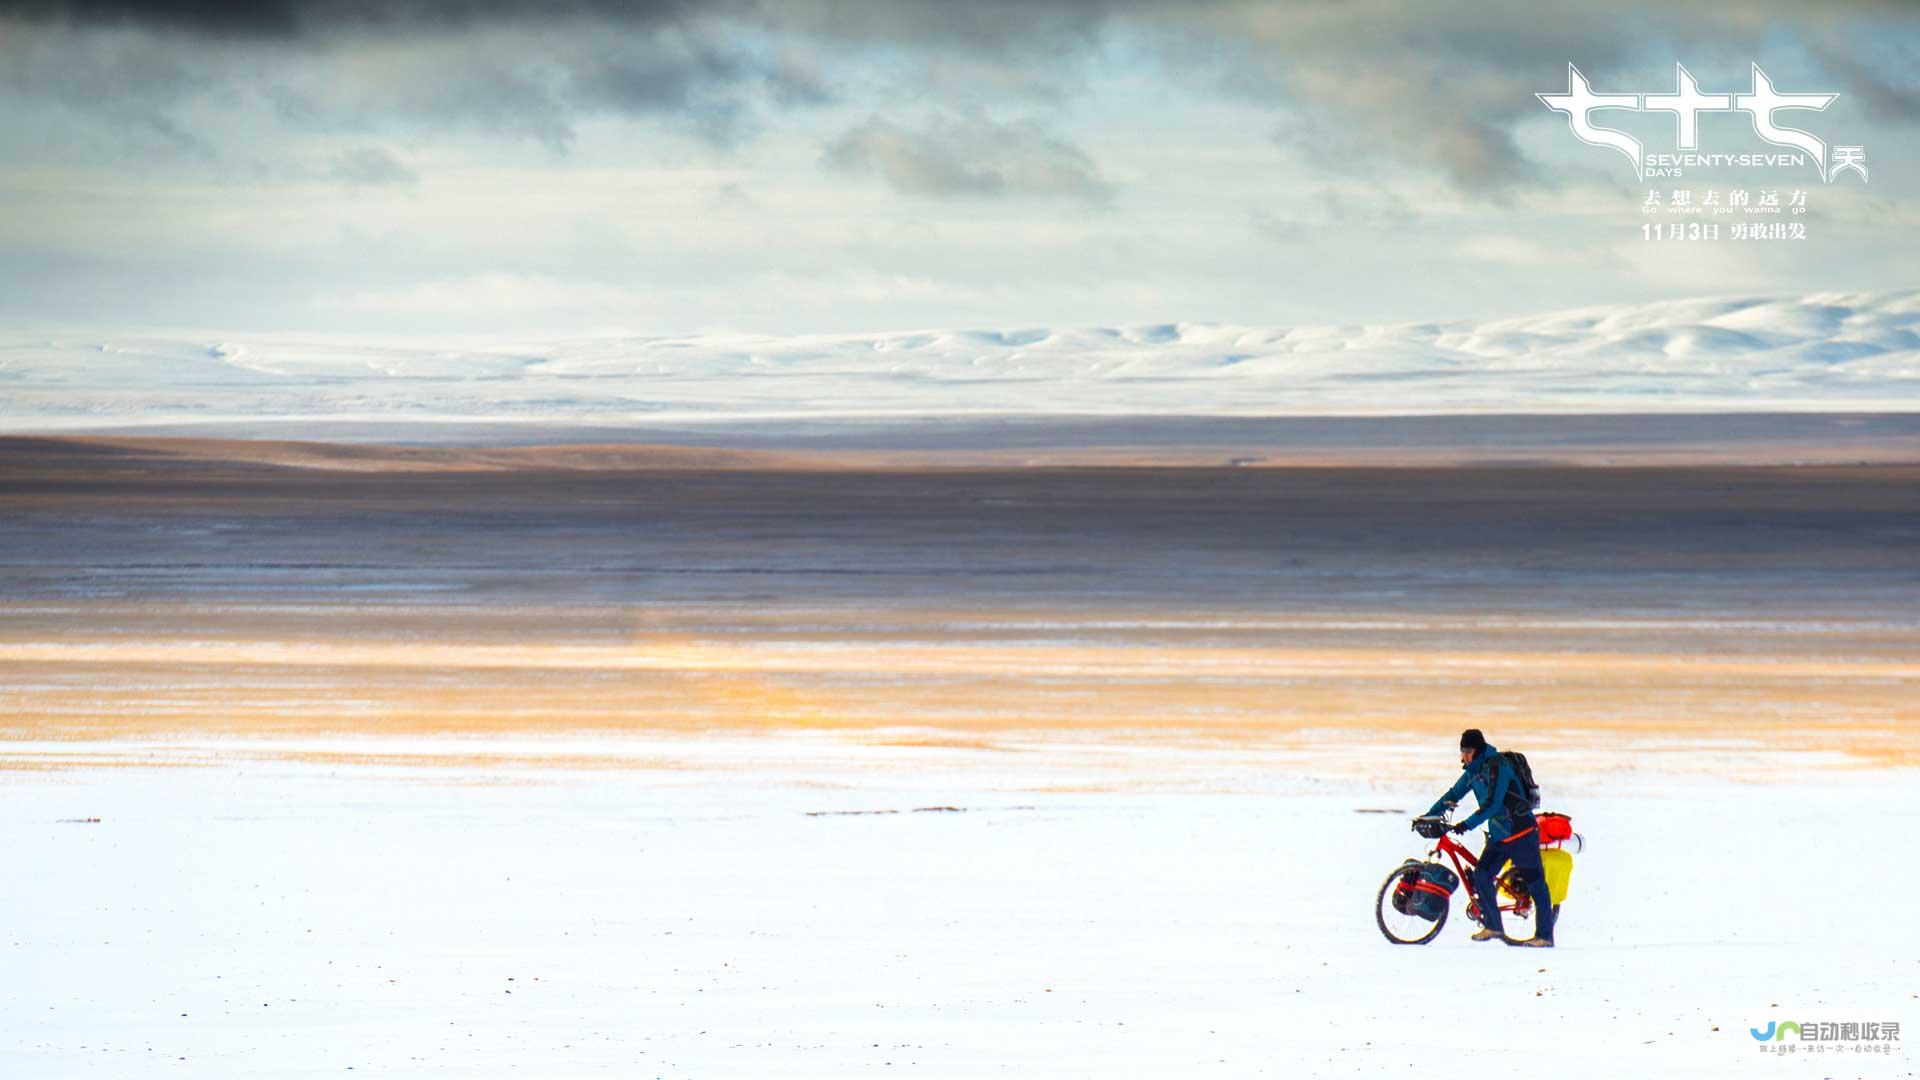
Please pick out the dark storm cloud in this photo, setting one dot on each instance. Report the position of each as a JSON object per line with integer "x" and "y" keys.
{"x": 1367, "y": 86}
{"x": 943, "y": 23}
{"x": 493, "y": 77}
{"x": 699, "y": 78}
{"x": 298, "y": 18}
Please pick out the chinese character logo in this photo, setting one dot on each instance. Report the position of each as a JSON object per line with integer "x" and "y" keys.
{"x": 1849, "y": 157}
{"x": 1761, "y": 102}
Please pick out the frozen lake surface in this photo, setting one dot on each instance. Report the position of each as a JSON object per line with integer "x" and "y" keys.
{"x": 730, "y": 916}
{"x": 567, "y": 771}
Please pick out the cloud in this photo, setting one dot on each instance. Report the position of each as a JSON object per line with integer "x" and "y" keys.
{"x": 518, "y": 80}
{"x": 1890, "y": 90}
{"x": 1379, "y": 85}
{"x": 482, "y": 294}
{"x": 1371, "y": 85}
{"x": 371, "y": 166}
{"x": 1374, "y": 209}
{"x": 1351, "y": 211}
{"x": 970, "y": 156}
{"x": 1280, "y": 230}
{"x": 291, "y": 19}
{"x": 866, "y": 287}
{"x": 488, "y": 299}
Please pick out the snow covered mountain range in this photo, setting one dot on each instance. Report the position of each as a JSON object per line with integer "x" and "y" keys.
{"x": 1830, "y": 351}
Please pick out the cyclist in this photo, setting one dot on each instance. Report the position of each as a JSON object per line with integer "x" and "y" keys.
{"x": 1511, "y": 836}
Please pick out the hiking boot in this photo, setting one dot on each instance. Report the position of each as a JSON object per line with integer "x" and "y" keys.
{"x": 1533, "y": 943}
{"x": 1487, "y": 935}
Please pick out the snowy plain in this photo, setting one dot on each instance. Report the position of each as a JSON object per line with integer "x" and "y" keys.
{"x": 1832, "y": 351}
{"x": 795, "y": 907}
{"x": 794, "y": 904}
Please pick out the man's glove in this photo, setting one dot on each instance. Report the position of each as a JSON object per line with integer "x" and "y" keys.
{"x": 1458, "y": 828}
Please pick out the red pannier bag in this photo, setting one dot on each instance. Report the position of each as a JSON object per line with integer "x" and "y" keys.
{"x": 1553, "y": 828}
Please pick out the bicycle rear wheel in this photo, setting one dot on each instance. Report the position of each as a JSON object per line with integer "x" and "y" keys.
{"x": 1403, "y": 929}
{"x": 1512, "y": 893}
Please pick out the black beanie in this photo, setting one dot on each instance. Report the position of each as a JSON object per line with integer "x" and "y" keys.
{"x": 1471, "y": 739}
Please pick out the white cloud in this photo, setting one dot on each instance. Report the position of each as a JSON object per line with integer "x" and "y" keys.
{"x": 482, "y": 294}
{"x": 371, "y": 166}
{"x": 970, "y": 156}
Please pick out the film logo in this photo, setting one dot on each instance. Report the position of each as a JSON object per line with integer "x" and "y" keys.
{"x": 1760, "y": 102}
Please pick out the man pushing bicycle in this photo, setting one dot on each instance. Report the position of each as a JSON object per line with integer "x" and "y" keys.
{"x": 1512, "y": 835}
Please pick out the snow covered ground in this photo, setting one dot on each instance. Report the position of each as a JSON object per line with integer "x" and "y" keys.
{"x": 731, "y": 916}
{"x": 1827, "y": 351}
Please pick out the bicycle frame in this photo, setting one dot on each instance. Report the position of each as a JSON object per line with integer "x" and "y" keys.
{"x": 1463, "y": 863}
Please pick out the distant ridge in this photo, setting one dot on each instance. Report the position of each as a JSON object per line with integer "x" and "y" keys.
{"x": 1826, "y": 352}
{"x": 34, "y": 455}
{"x": 1153, "y": 442}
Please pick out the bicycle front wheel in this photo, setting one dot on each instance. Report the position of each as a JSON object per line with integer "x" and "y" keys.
{"x": 1401, "y": 928}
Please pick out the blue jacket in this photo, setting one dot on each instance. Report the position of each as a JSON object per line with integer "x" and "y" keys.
{"x": 1490, "y": 786}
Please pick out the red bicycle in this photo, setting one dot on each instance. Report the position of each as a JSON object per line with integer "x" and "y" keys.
{"x": 1415, "y": 899}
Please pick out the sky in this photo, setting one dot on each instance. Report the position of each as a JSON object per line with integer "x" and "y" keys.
{"x": 435, "y": 167}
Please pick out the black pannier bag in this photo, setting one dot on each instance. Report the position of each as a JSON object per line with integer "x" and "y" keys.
{"x": 1432, "y": 891}
{"x": 1403, "y": 890}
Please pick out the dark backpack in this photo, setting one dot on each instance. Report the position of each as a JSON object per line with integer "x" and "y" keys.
{"x": 1523, "y": 797}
